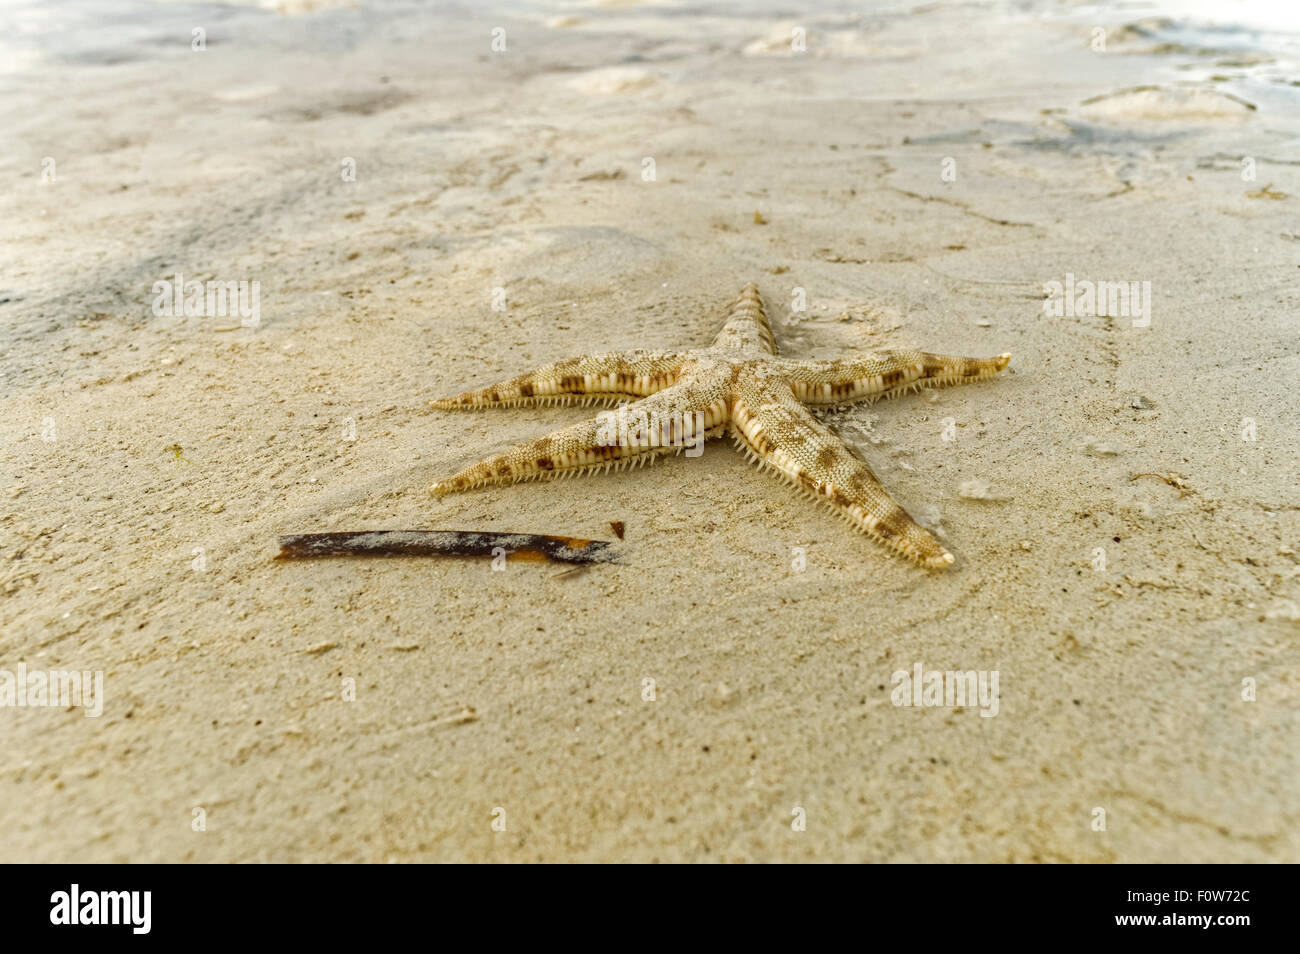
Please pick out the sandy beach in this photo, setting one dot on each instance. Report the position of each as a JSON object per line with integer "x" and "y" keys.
{"x": 431, "y": 199}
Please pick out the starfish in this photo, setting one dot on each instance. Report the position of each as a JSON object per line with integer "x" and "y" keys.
{"x": 738, "y": 386}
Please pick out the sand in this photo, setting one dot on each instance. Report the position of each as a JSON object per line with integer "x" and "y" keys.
{"x": 1122, "y": 502}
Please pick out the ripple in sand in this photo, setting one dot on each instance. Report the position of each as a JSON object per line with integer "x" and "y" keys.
{"x": 1167, "y": 103}
{"x": 789, "y": 38}
{"x": 614, "y": 80}
{"x": 239, "y": 94}
{"x": 979, "y": 490}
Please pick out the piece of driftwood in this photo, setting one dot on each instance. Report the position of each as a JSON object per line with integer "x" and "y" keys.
{"x": 515, "y": 546}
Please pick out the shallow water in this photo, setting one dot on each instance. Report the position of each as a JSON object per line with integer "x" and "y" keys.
{"x": 43, "y": 33}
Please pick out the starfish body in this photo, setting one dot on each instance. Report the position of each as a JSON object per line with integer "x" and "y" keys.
{"x": 738, "y": 386}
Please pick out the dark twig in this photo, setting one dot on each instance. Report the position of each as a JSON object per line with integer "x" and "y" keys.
{"x": 517, "y": 546}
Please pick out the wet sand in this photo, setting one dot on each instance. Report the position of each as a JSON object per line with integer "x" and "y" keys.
{"x": 1122, "y": 501}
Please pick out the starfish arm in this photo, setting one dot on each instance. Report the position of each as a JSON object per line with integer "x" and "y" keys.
{"x": 746, "y": 327}
{"x": 677, "y": 418}
{"x": 781, "y": 434}
{"x": 618, "y": 376}
{"x": 884, "y": 374}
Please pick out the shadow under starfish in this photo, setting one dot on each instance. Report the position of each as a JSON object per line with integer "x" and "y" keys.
{"x": 738, "y": 386}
